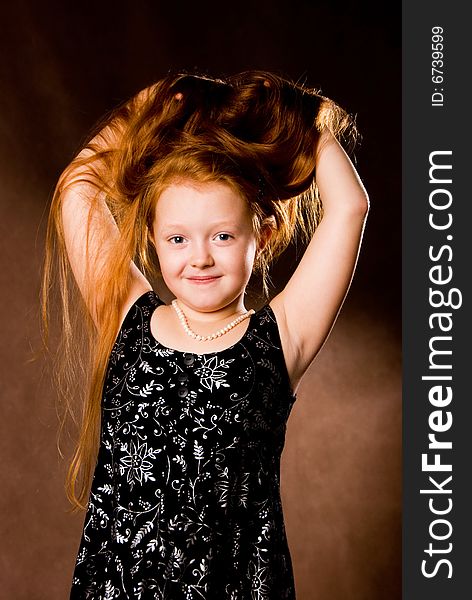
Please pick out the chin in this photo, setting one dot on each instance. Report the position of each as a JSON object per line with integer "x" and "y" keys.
{"x": 207, "y": 303}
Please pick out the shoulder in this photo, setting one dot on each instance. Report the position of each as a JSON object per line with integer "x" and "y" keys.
{"x": 136, "y": 291}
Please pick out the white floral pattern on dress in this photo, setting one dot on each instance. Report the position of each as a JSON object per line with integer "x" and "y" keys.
{"x": 185, "y": 500}
{"x": 135, "y": 463}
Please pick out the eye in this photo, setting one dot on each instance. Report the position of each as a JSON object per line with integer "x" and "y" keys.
{"x": 176, "y": 237}
{"x": 224, "y": 234}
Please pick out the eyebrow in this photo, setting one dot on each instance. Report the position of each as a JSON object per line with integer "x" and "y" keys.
{"x": 174, "y": 226}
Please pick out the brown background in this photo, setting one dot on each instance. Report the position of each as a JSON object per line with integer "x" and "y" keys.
{"x": 62, "y": 65}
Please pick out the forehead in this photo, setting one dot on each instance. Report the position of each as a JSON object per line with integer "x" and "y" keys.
{"x": 189, "y": 202}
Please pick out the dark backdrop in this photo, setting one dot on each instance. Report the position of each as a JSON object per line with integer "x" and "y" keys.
{"x": 62, "y": 65}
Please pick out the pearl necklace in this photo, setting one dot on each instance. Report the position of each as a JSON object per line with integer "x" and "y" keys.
{"x": 212, "y": 336}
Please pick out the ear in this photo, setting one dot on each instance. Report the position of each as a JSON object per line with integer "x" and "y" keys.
{"x": 267, "y": 230}
{"x": 150, "y": 236}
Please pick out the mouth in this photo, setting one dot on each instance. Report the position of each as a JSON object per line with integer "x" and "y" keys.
{"x": 202, "y": 280}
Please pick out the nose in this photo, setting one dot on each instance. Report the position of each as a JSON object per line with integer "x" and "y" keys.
{"x": 201, "y": 256}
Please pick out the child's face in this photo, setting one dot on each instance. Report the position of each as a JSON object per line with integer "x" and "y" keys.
{"x": 204, "y": 230}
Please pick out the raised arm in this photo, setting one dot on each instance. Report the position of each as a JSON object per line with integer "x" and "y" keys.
{"x": 311, "y": 300}
{"x": 89, "y": 228}
{"x": 88, "y": 257}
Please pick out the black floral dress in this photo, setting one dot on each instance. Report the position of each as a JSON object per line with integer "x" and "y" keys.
{"x": 185, "y": 501}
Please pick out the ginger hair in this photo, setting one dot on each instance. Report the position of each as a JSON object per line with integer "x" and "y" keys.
{"x": 255, "y": 131}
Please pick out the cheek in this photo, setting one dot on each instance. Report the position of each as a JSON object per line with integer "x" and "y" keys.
{"x": 251, "y": 250}
{"x": 168, "y": 260}
{"x": 246, "y": 259}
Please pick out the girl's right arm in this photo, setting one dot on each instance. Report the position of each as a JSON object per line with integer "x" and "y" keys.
{"x": 89, "y": 227}
{"x": 89, "y": 237}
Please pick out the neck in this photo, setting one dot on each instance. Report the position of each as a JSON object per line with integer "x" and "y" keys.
{"x": 213, "y": 316}
{"x": 202, "y": 337}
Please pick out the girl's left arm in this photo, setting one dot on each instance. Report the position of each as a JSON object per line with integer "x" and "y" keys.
{"x": 311, "y": 300}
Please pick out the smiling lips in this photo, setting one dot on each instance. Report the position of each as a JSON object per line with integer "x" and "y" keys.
{"x": 206, "y": 279}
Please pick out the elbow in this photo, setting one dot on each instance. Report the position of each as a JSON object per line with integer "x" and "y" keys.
{"x": 360, "y": 200}
{"x": 354, "y": 210}
{"x": 366, "y": 204}
{"x": 357, "y": 207}
{"x": 361, "y": 205}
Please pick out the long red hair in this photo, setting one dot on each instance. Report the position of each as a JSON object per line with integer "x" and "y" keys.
{"x": 255, "y": 131}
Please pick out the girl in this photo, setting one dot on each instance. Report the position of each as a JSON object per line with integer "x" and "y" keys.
{"x": 202, "y": 181}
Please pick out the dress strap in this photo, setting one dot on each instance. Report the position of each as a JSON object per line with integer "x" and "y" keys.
{"x": 149, "y": 298}
{"x": 267, "y": 335}
{"x": 144, "y": 303}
